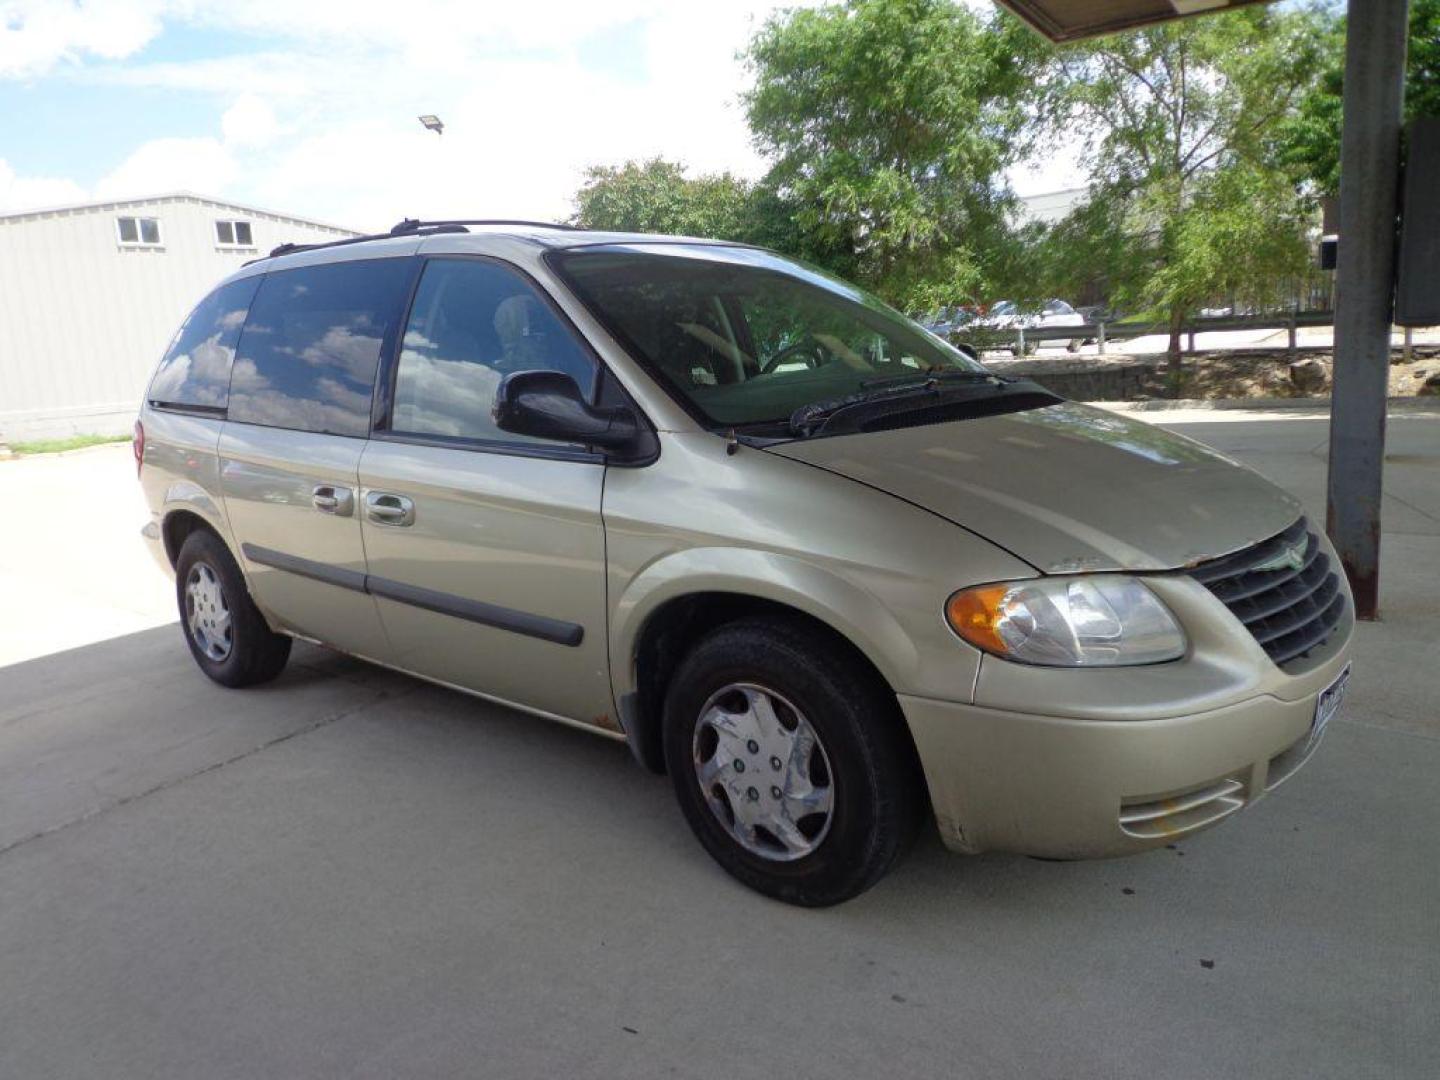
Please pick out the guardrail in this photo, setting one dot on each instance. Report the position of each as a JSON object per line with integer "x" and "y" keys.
{"x": 987, "y": 340}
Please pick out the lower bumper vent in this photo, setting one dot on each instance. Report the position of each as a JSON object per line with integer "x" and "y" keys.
{"x": 1182, "y": 813}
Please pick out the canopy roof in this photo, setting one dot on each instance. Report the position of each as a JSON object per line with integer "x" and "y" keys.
{"x": 1070, "y": 20}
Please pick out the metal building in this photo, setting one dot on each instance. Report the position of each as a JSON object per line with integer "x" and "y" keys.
{"x": 90, "y": 295}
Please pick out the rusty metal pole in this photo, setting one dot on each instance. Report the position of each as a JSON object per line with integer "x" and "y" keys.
{"x": 1375, "y": 40}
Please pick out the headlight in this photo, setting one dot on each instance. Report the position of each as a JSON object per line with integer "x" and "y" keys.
{"x": 1091, "y": 621}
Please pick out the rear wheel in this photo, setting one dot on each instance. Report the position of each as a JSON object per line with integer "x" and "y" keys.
{"x": 790, "y": 763}
{"x": 226, "y": 633}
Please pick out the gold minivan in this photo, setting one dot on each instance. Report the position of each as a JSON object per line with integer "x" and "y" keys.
{"x": 821, "y": 567}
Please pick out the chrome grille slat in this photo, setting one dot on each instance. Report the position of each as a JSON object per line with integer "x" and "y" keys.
{"x": 1238, "y": 588}
{"x": 1315, "y": 633}
{"x": 1241, "y": 561}
{"x": 1294, "y": 617}
{"x": 1289, "y": 610}
{"x": 1253, "y": 607}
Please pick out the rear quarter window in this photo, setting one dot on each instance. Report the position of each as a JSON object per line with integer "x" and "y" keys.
{"x": 195, "y": 372}
{"x": 310, "y": 350}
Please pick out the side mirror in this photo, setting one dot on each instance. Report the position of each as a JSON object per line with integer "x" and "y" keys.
{"x": 549, "y": 405}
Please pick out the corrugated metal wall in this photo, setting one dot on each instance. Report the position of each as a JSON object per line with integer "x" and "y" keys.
{"x": 84, "y": 319}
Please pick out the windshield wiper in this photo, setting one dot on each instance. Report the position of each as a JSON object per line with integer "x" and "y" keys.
{"x": 811, "y": 419}
{"x": 920, "y": 378}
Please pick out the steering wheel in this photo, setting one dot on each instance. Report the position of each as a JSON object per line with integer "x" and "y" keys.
{"x": 808, "y": 350}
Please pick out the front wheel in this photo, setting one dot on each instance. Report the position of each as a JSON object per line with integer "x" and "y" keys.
{"x": 790, "y": 763}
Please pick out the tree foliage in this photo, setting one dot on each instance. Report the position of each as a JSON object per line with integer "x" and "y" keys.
{"x": 890, "y": 124}
{"x": 1185, "y": 201}
{"x": 656, "y": 196}
{"x": 1307, "y": 143}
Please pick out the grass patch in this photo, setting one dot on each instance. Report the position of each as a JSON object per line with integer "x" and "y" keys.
{"x": 74, "y": 442}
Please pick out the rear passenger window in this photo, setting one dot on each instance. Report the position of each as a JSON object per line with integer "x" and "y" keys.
{"x": 196, "y": 369}
{"x": 472, "y": 323}
{"x": 308, "y": 356}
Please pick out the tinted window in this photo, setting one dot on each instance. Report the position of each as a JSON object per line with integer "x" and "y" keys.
{"x": 308, "y": 356}
{"x": 745, "y": 336}
{"x": 472, "y": 323}
{"x": 196, "y": 369}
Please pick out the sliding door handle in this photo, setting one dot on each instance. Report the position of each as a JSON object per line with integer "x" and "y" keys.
{"x": 384, "y": 508}
{"x": 329, "y": 499}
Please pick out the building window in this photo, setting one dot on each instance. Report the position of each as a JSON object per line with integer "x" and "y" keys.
{"x": 139, "y": 231}
{"x": 234, "y": 234}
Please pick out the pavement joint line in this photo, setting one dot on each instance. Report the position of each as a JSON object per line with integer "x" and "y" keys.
{"x": 1371, "y": 726}
{"x": 325, "y": 721}
{"x": 1411, "y": 506}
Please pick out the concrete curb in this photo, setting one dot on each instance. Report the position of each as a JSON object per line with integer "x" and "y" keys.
{"x": 1259, "y": 404}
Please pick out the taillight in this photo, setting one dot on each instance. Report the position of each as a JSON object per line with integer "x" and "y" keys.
{"x": 137, "y": 443}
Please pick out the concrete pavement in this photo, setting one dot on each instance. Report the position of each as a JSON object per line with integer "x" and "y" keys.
{"x": 351, "y": 873}
{"x": 70, "y": 553}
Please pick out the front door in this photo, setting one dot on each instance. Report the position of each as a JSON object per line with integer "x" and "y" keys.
{"x": 486, "y": 551}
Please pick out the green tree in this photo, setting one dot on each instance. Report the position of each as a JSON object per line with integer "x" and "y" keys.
{"x": 889, "y": 124}
{"x": 656, "y": 196}
{"x": 1179, "y": 120}
{"x": 1308, "y": 143}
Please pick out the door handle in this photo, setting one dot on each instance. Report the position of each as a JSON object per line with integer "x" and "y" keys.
{"x": 383, "y": 508}
{"x": 329, "y": 499}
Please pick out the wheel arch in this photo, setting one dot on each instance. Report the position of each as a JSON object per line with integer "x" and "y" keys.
{"x": 188, "y": 507}
{"x": 670, "y": 607}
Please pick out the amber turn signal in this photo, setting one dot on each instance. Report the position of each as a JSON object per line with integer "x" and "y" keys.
{"x": 975, "y": 615}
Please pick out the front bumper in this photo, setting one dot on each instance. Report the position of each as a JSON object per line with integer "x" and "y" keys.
{"x": 1069, "y": 788}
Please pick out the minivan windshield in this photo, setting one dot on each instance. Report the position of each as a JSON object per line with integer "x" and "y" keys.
{"x": 745, "y": 337}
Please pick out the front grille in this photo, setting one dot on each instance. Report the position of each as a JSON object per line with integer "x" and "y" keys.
{"x": 1283, "y": 589}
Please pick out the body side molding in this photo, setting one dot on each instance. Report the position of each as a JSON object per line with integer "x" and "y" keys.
{"x": 459, "y": 607}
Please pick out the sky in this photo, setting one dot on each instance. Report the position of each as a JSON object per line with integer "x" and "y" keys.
{"x": 310, "y": 106}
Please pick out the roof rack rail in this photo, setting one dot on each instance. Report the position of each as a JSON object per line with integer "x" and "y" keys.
{"x": 414, "y": 227}
{"x": 409, "y": 225}
{"x": 425, "y": 229}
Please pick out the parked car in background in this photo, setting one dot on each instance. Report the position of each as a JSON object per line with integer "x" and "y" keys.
{"x": 822, "y": 568}
{"x": 1056, "y": 314}
{"x": 1003, "y": 315}
{"x": 1006, "y": 315}
{"x": 948, "y": 321}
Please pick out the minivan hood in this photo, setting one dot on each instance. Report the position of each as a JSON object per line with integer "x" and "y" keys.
{"x": 1067, "y": 487}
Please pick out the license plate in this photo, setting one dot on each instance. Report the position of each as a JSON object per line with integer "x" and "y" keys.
{"x": 1328, "y": 703}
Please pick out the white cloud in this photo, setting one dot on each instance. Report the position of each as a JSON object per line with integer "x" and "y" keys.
{"x": 30, "y": 192}
{"x": 35, "y": 35}
{"x": 161, "y": 165}
{"x": 249, "y": 122}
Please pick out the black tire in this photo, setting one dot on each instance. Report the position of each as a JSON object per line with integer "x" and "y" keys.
{"x": 878, "y": 791}
{"x": 256, "y": 653}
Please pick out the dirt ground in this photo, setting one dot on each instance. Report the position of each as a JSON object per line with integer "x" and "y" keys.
{"x": 1239, "y": 373}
